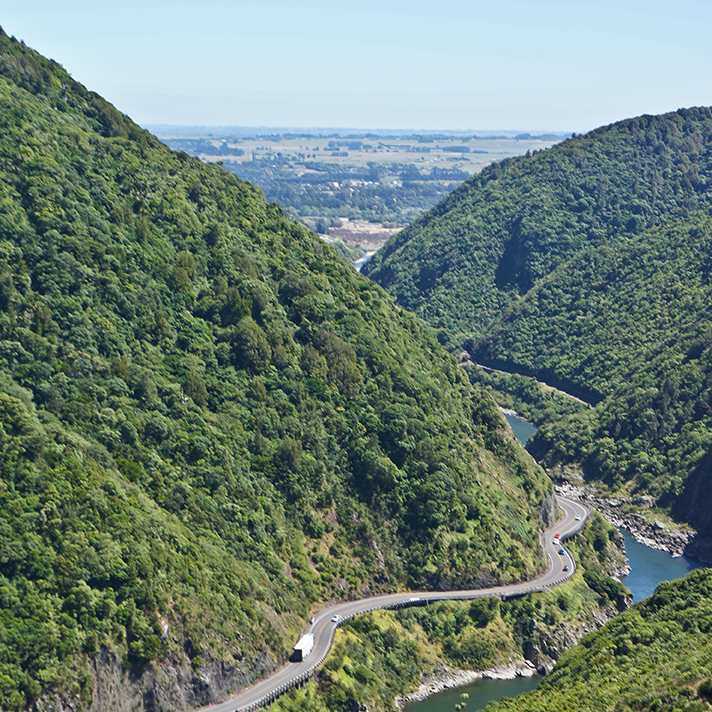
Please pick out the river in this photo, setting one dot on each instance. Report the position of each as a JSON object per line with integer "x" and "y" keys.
{"x": 521, "y": 427}
{"x": 481, "y": 694}
{"x": 648, "y": 568}
{"x": 362, "y": 260}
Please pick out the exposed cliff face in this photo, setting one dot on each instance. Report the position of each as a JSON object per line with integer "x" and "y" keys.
{"x": 549, "y": 512}
{"x": 543, "y": 644}
{"x": 694, "y": 507}
{"x": 623, "y": 512}
{"x": 175, "y": 685}
{"x": 665, "y": 536}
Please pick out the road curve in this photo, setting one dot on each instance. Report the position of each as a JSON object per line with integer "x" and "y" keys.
{"x": 325, "y": 623}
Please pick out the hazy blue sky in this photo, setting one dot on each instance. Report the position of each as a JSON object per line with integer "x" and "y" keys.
{"x": 451, "y": 64}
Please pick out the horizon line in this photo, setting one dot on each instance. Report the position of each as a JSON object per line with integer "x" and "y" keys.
{"x": 327, "y": 130}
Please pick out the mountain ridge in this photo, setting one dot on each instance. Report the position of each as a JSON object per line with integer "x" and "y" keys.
{"x": 465, "y": 261}
{"x": 208, "y": 421}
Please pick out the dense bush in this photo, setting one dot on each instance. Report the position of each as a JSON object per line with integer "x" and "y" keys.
{"x": 587, "y": 266}
{"x": 208, "y": 421}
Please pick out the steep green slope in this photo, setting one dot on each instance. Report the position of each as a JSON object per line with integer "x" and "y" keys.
{"x": 492, "y": 239}
{"x": 632, "y": 325}
{"x": 209, "y": 423}
{"x": 655, "y": 656}
{"x": 588, "y": 265}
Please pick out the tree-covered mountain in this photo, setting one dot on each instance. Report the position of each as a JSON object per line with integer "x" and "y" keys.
{"x": 209, "y": 423}
{"x": 588, "y": 265}
{"x": 655, "y": 656}
{"x": 630, "y": 324}
{"x": 483, "y": 247}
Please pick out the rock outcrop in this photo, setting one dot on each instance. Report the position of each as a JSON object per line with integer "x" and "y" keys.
{"x": 172, "y": 686}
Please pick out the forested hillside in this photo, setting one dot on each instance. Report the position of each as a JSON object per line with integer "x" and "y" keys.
{"x": 655, "y": 656}
{"x": 588, "y": 265}
{"x": 631, "y": 324}
{"x": 484, "y": 246}
{"x": 209, "y": 423}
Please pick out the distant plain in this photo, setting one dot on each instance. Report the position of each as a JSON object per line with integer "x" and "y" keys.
{"x": 358, "y": 188}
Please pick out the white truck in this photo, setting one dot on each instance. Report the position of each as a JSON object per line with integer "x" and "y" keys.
{"x": 303, "y": 647}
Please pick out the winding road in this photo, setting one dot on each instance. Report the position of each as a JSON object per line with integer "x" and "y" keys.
{"x": 325, "y": 623}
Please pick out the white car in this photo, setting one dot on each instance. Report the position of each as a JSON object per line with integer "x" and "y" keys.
{"x": 578, "y": 517}
{"x": 336, "y": 619}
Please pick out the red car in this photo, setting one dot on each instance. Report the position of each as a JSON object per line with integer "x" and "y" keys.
{"x": 556, "y": 536}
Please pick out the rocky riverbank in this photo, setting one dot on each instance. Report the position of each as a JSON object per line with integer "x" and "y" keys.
{"x": 445, "y": 678}
{"x": 621, "y": 512}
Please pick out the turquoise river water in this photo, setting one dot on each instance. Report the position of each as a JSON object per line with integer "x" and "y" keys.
{"x": 648, "y": 568}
